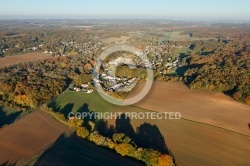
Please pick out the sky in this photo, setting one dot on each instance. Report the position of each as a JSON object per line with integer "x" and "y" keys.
{"x": 126, "y": 9}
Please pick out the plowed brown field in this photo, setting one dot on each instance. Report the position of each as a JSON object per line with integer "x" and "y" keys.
{"x": 28, "y": 137}
{"x": 213, "y": 128}
{"x": 211, "y": 108}
{"x": 11, "y": 60}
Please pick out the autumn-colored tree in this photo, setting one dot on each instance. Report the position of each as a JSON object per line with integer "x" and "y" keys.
{"x": 97, "y": 138}
{"x": 248, "y": 100}
{"x": 75, "y": 122}
{"x": 237, "y": 96}
{"x": 165, "y": 160}
{"x": 111, "y": 144}
{"x": 150, "y": 157}
{"x": 24, "y": 100}
{"x": 82, "y": 132}
{"x": 63, "y": 65}
{"x": 87, "y": 67}
{"x": 118, "y": 137}
{"x": 122, "y": 149}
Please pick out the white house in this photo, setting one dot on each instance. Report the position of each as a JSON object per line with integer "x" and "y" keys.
{"x": 84, "y": 85}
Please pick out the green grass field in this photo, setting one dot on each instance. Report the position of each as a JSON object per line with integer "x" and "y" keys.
{"x": 75, "y": 100}
{"x": 177, "y": 36}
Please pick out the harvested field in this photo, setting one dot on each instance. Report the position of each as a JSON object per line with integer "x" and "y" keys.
{"x": 193, "y": 143}
{"x": 39, "y": 139}
{"x": 211, "y": 108}
{"x": 73, "y": 150}
{"x": 28, "y": 137}
{"x": 14, "y": 59}
{"x": 210, "y": 134}
{"x": 115, "y": 39}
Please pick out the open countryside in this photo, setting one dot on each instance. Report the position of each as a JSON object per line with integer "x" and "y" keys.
{"x": 194, "y": 131}
{"x": 67, "y": 68}
{"x": 211, "y": 108}
{"x": 11, "y": 60}
{"x": 51, "y": 144}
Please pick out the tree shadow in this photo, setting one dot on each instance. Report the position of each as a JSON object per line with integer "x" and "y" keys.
{"x": 72, "y": 150}
{"x": 146, "y": 135}
{"x": 64, "y": 110}
{"x": 181, "y": 70}
{"x": 54, "y": 105}
{"x": 181, "y": 56}
{"x": 123, "y": 125}
{"x": 149, "y": 136}
{"x": 85, "y": 109}
{"x": 6, "y": 119}
{"x": 104, "y": 128}
{"x": 8, "y": 163}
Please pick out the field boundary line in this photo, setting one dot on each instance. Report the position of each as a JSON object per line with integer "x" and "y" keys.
{"x": 196, "y": 121}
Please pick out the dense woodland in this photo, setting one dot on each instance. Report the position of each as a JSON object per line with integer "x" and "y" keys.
{"x": 225, "y": 69}
{"x": 28, "y": 85}
{"x": 222, "y": 66}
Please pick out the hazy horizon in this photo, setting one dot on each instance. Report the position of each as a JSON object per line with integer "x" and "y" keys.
{"x": 141, "y": 9}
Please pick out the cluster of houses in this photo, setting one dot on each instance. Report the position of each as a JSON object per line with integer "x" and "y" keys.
{"x": 114, "y": 83}
{"x": 128, "y": 60}
{"x": 120, "y": 60}
{"x": 173, "y": 64}
{"x": 83, "y": 88}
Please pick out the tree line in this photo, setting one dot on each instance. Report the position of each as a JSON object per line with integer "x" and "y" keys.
{"x": 119, "y": 142}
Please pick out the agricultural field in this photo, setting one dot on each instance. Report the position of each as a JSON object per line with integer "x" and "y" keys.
{"x": 194, "y": 143}
{"x": 15, "y": 59}
{"x": 213, "y": 128}
{"x": 72, "y": 150}
{"x": 115, "y": 39}
{"x": 28, "y": 136}
{"x": 9, "y": 115}
{"x": 205, "y": 134}
{"x": 186, "y": 66}
{"x": 39, "y": 139}
{"x": 177, "y": 36}
{"x": 213, "y": 108}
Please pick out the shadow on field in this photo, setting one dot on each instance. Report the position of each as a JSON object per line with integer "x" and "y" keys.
{"x": 64, "y": 110}
{"x": 72, "y": 150}
{"x": 85, "y": 108}
{"x": 6, "y": 119}
{"x": 7, "y": 163}
{"x": 146, "y": 135}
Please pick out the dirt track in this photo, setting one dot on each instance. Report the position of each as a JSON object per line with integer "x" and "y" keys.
{"x": 10, "y": 60}
{"x": 28, "y": 136}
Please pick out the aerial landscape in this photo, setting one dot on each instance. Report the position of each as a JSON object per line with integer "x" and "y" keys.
{"x": 127, "y": 83}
